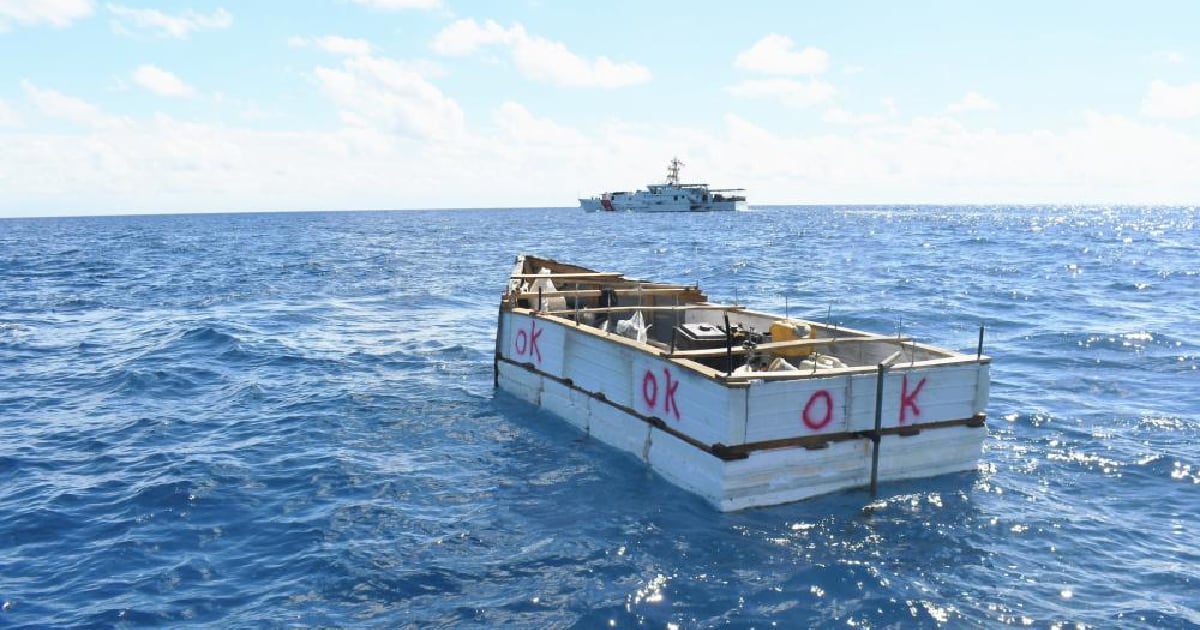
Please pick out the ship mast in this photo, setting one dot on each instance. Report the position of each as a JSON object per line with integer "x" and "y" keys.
{"x": 673, "y": 171}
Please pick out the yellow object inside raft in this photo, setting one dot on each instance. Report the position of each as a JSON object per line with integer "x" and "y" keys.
{"x": 787, "y": 330}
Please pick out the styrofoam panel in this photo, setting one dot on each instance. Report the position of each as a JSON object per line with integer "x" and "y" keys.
{"x": 617, "y": 428}
{"x": 773, "y": 466}
{"x": 687, "y": 402}
{"x": 537, "y": 341}
{"x": 788, "y": 409}
{"x": 932, "y": 452}
{"x": 599, "y": 366}
{"x": 520, "y": 383}
{"x": 566, "y": 403}
{"x": 948, "y": 393}
{"x": 783, "y": 475}
{"x": 686, "y": 466}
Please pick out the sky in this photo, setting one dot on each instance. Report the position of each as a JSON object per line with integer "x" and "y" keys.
{"x": 133, "y": 106}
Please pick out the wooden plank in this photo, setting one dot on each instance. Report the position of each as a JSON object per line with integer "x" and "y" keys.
{"x": 580, "y": 275}
{"x": 735, "y": 379}
{"x": 630, "y": 309}
{"x": 596, "y": 292}
{"x": 795, "y": 343}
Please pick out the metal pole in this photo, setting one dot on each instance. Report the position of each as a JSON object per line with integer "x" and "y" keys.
{"x": 675, "y": 327}
{"x": 499, "y": 342}
{"x": 877, "y": 435}
{"x": 979, "y": 348}
{"x": 728, "y": 347}
{"x": 539, "y": 299}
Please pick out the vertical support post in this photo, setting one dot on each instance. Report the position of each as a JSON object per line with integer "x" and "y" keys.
{"x": 979, "y": 348}
{"x": 877, "y": 435}
{"x": 539, "y": 308}
{"x": 499, "y": 342}
{"x": 674, "y": 314}
{"x": 728, "y": 347}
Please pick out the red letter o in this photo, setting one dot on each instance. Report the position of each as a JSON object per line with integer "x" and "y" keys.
{"x": 823, "y": 422}
{"x": 650, "y": 389}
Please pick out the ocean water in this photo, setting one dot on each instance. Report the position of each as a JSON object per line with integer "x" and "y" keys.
{"x": 289, "y": 420}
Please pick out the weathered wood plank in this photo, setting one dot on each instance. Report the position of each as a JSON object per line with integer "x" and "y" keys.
{"x": 630, "y": 309}
{"x": 575, "y": 275}
{"x": 795, "y": 343}
{"x": 596, "y": 292}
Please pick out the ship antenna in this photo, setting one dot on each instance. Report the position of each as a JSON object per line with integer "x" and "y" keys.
{"x": 673, "y": 171}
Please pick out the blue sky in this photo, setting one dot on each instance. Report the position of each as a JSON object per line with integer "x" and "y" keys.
{"x": 129, "y": 106}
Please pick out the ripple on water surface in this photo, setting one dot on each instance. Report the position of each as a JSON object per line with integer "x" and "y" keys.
{"x": 288, "y": 419}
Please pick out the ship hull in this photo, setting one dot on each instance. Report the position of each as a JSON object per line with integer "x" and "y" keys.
{"x": 599, "y": 205}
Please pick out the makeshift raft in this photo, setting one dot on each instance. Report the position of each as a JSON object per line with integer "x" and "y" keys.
{"x": 740, "y": 407}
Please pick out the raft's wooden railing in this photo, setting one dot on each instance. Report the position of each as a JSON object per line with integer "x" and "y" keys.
{"x": 575, "y": 275}
{"x": 738, "y": 349}
{"x": 629, "y": 309}
{"x": 658, "y": 290}
{"x": 742, "y": 380}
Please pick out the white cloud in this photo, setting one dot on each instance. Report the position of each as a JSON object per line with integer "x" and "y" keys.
{"x": 8, "y": 117}
{"x": 56, "y": 13}
{"x": 164, "y": 25}
{"x": 392, "y": 96}
{"x": 333, "y": 44}
{"x": 775, "y": 54}
{"x": 1169, "y": 101}
{"x": 464, "y": 37}
{"x": 344, "y": 45}
{"x": 787, "y": 91}
{"x": 405, "y": 144}
{"x": 523, "y": 128}
{"x": 538, "y": 58}
{"x": 840, "y": 116}
{"x": 161, "y": 82}
{"x": 1169, "y": 56}
{"x": 78, "y": 111}
{"x": 972, "y": 102}
{"x": 1100, "y": 159}
{"x": 399, "y": 5}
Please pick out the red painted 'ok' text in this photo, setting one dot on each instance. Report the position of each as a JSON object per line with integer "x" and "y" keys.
{"x": 526, "y": 343}
{"x": 650, "y": 392}
{"x": 909, "y": 399}
{"x": 810, "y": 416}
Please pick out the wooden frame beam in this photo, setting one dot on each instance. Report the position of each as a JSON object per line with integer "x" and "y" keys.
{"x": 596, "y": 292}
{"x": 794, "y": 343}
{"x": 580, "y": 275}
{"x": 630, "y": 309}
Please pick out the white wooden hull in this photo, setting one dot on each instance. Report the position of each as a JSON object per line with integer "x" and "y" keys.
{"x": 752, "y": 439}
{"x": 767, "y": 477}
{"x": 649, "y": 407}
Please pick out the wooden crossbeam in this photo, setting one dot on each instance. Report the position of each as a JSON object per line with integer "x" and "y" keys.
{"x": 575, "y": 275}
{"x": 794, "y": 343}
{"x": 630, "y": 309}
{"x": 596, "y": 292}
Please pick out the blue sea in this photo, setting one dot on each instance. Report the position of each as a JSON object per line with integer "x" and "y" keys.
{"x": 235, "y": 420}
